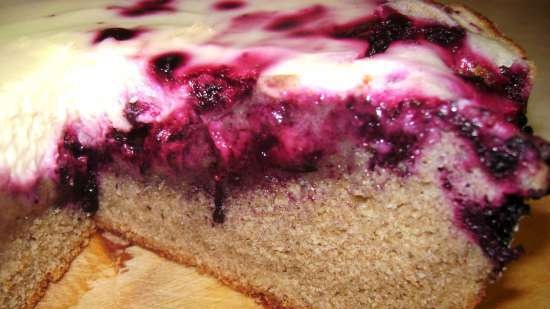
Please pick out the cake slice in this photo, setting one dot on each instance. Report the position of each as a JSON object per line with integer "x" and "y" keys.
{"x": 312, "y": 154}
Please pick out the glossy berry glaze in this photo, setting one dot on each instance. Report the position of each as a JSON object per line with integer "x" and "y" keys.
{"x": 231, "y": 118}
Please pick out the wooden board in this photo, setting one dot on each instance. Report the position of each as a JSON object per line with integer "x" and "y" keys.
{"x": 114, "y": 277}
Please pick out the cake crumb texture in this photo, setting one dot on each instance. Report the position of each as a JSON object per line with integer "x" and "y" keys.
{"x": 358, "y": 241}
{"x": 39, "y": 250}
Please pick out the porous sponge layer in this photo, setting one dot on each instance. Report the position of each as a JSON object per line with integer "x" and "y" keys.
{"x": 357, "y": 240}
{"x": 38, "y": 251}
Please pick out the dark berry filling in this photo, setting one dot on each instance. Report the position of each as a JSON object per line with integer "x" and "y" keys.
{"x": 510, "y": 82}
{"x": 444, "y": 36}
{"x": 218, "y": 87}
{"x": 500, "y": 156}
{"x": 379, "y": 32}
{"x": 119, "y": 34}
{"x": 388, "y": 26}
{"x": 229, "y": 5}
{"x": 504, "y": 159}
{"x": 515, "y": 84}
{"x": 163, "y": 66}
{"x": 493, "y": 228}
{"x": 145, "y": 7}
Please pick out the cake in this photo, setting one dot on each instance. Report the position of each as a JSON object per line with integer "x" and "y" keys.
{"x": 312, "y": 154}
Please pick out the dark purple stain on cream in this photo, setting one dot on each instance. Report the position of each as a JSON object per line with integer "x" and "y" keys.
{"x": 229, "y": 5}
{"x": 294, "y": 20}
{"x": 145, "y": 7}
{"x": 118, "y": 34}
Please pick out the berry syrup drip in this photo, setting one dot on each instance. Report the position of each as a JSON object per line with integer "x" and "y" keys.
{"x": 219, "y": 215}
{"x": 118, "y": 34}
{"x": 77, "y": 171}
{"x": 145, "y": 7}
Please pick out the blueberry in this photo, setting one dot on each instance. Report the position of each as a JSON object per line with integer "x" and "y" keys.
{"x": 119, "y": 34}
{"x": 493, "y": 228}
{"x": 165, "y": 65}
{"x": 443, "y": 35}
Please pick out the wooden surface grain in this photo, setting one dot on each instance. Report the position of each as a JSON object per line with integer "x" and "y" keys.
{"x": 115, "y": 276}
